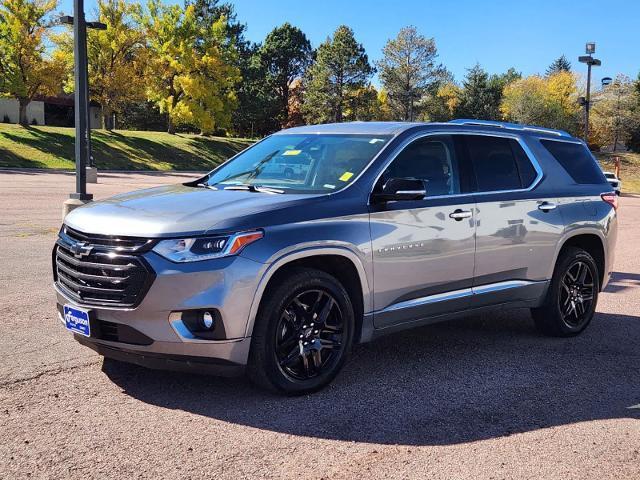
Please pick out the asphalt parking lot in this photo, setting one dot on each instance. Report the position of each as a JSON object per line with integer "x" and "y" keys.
{"x": 484, "y": 397}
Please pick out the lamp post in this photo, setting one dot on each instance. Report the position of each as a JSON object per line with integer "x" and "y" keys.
{"x": 81, "y": 103}
{"x": 590, "y": 49}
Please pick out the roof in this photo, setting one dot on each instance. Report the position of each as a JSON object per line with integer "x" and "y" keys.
{"x": 510, "y": 126}
{"x": 393, "y": 128}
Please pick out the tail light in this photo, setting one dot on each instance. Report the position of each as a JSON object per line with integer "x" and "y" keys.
{"x": 611, "y": 198}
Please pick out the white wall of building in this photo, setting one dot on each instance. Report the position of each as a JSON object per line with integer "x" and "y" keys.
{"x": 11, "y": 108}
{"x": 35, "y": 110}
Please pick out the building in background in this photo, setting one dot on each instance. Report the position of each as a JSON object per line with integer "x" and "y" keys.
{"x": 52, "y": 111}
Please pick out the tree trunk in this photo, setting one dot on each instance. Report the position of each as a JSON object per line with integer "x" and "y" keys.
{"x": 171, "y": 129}
{"x": 23, "y": 103}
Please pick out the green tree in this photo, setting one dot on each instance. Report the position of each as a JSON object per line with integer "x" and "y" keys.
{"x": 364, "y": 105}
{"x": 408, "y": 68}
{"x": 442, "y": 105}
{"x": 25, "y": 70}
{"x": 560, "y": 64}
{"x": 284, "y": 57}
{"x": 192, "y": 70}
{"x": 481, "y": 94}
{"x": 208, "y": 12}
{"x": 478, "y": 96}
{"x": 341, "y": 69}
{"x": 116, "y": 57}
{"x": 257, "y": 110}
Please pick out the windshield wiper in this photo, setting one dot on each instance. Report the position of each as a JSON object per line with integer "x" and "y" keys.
{"x": 253, "y": 188}
{"x": 206, "y": 185}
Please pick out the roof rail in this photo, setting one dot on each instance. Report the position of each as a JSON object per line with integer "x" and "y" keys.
{"x": 510, "y": 126}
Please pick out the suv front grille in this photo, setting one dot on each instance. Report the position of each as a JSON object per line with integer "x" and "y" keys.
{"x": 102, "y": 270}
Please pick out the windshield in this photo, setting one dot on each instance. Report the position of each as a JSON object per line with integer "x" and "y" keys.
{"x": 309, "y": 163}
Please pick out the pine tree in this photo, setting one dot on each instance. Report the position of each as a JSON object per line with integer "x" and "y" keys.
{"x": 561, "y": 64}
{"x": 284, "y": 58}
{"x": 341, "y": 69}
{"x": 407, "y": 70}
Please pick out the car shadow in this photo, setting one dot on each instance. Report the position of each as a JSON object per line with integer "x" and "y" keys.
{"x": 620, "y": 281}
{"x": 482, "y": 377}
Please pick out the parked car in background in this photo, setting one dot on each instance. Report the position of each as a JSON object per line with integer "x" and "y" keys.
{"x": 614, "y": 181}
{"x": 382, "y": 226}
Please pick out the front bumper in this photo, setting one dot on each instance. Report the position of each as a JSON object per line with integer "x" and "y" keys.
{"x": 151, "y": 337}
{"x": 164, "y": 361}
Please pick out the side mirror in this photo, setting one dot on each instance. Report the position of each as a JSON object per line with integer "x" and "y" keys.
{"x": 398, "y": 189}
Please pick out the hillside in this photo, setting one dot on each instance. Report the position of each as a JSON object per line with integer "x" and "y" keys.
{"x": 629, "y": 169}
{"x": 53, "y": 147}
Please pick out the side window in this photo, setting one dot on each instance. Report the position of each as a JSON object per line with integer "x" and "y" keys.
{"x": 576, "y": 160}
{"x": 432, "y": 159}
{"x": 527, "y": 173}
{"x": 499, "y": 163}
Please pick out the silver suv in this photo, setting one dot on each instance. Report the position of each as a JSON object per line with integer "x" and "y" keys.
{"x": 382, "y": 227}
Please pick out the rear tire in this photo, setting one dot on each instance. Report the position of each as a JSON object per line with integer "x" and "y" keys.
{"x": 303, "y": 333}
{"x": 572, "y": 296}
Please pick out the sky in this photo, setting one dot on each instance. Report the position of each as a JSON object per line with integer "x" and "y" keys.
{"x": 496, "y": 33}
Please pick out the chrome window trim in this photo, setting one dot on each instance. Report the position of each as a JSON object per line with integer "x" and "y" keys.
{"x": 411, "y": 192}
{"x": 419, "y": 135}
{"x": 575, "y": 142}
{"x": 455, "y": 294}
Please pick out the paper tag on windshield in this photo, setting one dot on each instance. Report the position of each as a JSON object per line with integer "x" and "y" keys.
{"x": 346, "y": 176}
{"x": 292, "y": 152}
{"x": 376, "y": 140}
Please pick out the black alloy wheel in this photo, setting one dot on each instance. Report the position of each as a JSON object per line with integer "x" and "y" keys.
{"x": 303, "y": 332}
{"x": 309, "y": 335}
{"x": 576, "y": 294}
{"x": 572, "y": 295}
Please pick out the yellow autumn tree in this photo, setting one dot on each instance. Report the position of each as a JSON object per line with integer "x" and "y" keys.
{"x": 545, "y": 101}
{"x": 116, "y": 58}
{"x": 191, "y": 72}
{"x": 441, "y": 105}
{"x": 25, "y": 68}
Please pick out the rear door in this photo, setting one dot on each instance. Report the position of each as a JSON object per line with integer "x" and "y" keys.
{"x": 517, "y": 225}
{"x": 423, "y": 251}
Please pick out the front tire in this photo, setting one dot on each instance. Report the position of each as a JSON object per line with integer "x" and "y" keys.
{"x": 303, "y": 333}
{"x": 572, "y": 296}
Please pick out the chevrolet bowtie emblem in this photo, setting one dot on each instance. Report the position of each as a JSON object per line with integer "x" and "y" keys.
{"x": 81, "y": 249}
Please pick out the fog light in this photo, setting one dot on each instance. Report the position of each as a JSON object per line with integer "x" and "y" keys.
{"x": 207, "y": 320}
{"x": 204, "y": 323}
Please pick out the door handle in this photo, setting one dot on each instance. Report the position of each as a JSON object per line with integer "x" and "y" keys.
{"x": 460, "y": 214}
{"x": 547, "y": 206}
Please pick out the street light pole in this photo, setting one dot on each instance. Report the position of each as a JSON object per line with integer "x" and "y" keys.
{"x": 81, "y": 95}
{"x": 590, "y": 61}
{"x": 587, "y": 105}
{"x": 81, "y": 104}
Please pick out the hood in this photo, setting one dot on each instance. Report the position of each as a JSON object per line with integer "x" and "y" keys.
{"x": 176, "y": 210}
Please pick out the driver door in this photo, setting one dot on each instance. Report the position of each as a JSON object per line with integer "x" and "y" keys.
{"x": 423, "y": 250}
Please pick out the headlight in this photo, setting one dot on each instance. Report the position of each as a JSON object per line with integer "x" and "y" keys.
{"x": 205, "y": 248}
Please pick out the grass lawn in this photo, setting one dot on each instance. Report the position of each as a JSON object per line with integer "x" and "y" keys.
{"x": 53, "y": 147}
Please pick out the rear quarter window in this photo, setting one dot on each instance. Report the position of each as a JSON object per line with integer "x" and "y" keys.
{"x": 576, "y": 160}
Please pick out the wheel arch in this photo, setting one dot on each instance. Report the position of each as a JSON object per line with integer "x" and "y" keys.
{"x": 592, "y": 242}
{"x": 337, "y": 261}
